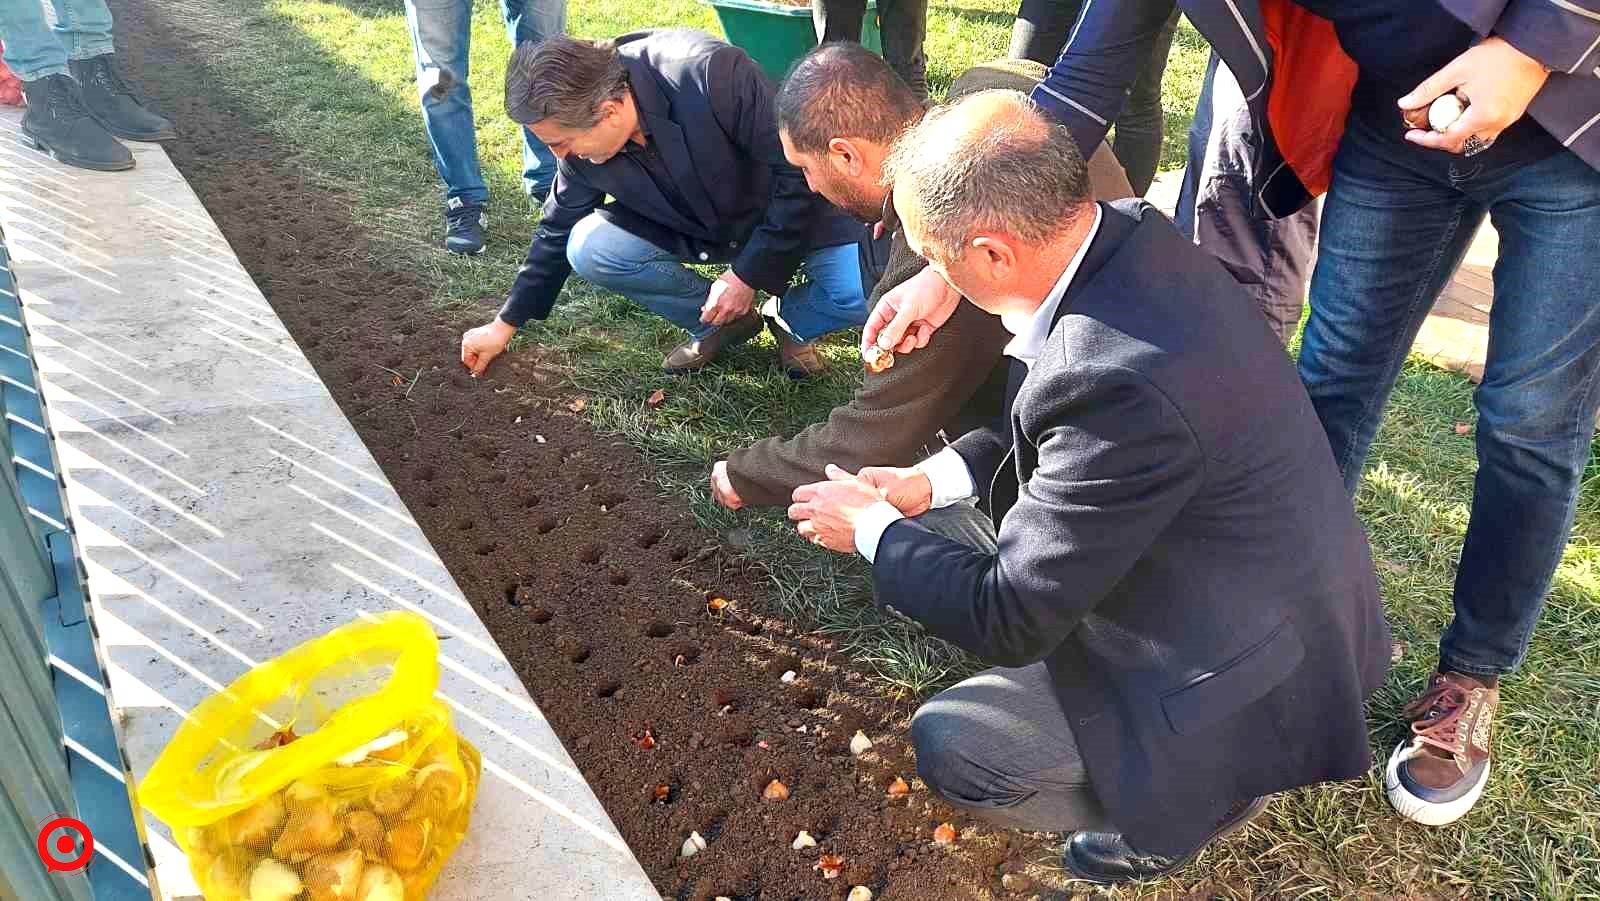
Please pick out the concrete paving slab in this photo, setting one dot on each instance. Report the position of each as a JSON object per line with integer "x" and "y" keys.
{"x": 229, "y": 511}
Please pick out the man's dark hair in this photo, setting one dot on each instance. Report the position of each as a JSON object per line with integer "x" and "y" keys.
{"x": 843, "y": 90}
{"x": 563, "y": 79}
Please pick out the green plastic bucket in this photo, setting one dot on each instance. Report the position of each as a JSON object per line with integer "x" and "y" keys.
{"x": 777, "y": 34}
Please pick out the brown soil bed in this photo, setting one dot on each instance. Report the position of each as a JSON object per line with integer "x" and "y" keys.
{"x": 594, "y": 584}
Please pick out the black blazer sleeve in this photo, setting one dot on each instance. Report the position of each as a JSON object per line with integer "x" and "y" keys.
{"x": 742, "y": 100}
{"x": 1117, "y": 462}
{"x": 539, "y": 281}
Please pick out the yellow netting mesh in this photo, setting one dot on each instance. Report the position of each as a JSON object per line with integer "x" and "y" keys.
{"x": 330, "y": 773}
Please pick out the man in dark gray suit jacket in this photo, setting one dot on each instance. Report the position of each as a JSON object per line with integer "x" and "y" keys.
{"x": 669, "y": 154}
{"x": 1182, "y": 611}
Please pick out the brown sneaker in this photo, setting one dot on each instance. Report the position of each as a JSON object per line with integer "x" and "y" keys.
{"x": 800, "y": 358}
{"x": 1436, "y": 776}
{"x": 693, "y": 355}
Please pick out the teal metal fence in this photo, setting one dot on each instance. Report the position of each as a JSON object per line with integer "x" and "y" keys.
{"x": 59, "y": 753}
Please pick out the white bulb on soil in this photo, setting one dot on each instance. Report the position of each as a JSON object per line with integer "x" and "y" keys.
{"x": 860, "y": 743}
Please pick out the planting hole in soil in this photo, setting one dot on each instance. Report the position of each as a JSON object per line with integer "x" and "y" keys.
{"x": 572, "y": 649}
{"x": 454, "y": 449}
{"x": 809, "y": 699}
{"x": 589, "y": 553}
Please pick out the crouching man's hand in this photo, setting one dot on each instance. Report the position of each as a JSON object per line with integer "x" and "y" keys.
{"x": 826, "y": 513}
{"x": 722, "y": 487}
{"x": 907, "y": 488}
{"x": 481, "y": 345}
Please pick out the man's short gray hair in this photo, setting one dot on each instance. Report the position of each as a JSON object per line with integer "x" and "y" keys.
{"x": 1021, "y": 175}
{"x": 563, "y": 79}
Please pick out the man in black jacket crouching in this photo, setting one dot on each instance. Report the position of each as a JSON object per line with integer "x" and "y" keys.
{"x": 1182, "y": 611}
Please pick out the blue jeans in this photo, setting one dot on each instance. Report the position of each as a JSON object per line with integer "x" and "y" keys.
{"x": 1397, "y": 221}
{"x": 441, "y": 36}
{"x": 615, "y": 259}
{"x": 35, "y": 49}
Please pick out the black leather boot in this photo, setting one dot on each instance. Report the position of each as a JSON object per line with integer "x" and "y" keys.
{"x": 115, "y": 104}
{"x": 58, "y": 123}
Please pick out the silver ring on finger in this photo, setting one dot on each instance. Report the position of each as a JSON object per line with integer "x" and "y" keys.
{"x": 1475, "y": 145}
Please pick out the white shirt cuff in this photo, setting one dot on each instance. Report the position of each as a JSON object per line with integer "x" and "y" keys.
{"x": 871, "y": 525}
{"x": 949, "y": 477}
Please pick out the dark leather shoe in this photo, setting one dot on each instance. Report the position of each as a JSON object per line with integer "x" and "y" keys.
{"x": 59, "y": 124}
{"x": 1106, "y": 858}
{"x": 114, "y": 103}
{"x": 800, "y": 358}
{"x": 695, "y": 354}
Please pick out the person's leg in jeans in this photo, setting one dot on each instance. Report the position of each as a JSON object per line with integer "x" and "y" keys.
{"x": 1536, "y": 410}
{"x": 33, "y": 51}
{"x": 1271, "y": 258}
{"x": 1396, "y": 226}
{"x": 1140, "y": 124}
{"x": 1041, "y": 29}
{"x": 83, "y": 27}
{"x": 441, "y": 35}
{"x": 441, "y": 32}
{"x": 58, "y": 121}
{"x": 903, "y": 25}
{"x": 535, "y": 20}
{"x": 1391, "y": 238}
{"x": 998, "y": 746}
{"x": 616, "y": 259}
{"x": 831, "y": 297}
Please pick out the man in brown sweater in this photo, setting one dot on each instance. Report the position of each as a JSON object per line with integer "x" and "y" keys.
{"x": 838, "y": 113}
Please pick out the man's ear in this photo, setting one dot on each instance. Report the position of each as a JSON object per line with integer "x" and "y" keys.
{"x": 994, "y": 253}
{"x": 845, "y": 157}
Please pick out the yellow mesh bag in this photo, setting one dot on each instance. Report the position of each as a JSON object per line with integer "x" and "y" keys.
{"x": 328, "y": 774}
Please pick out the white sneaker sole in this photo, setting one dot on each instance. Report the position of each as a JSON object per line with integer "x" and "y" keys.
{"x": 1428, "y": 813}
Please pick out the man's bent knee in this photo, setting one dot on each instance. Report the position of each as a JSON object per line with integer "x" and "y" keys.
{"x": 942, "y": 763}
{"x": 591, "y": 250}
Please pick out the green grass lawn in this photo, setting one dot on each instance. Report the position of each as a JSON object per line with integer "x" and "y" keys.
{"x": 333, "y": 80}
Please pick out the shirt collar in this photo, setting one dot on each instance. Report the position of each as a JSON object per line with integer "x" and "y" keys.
{"x": 1031, "y": 330}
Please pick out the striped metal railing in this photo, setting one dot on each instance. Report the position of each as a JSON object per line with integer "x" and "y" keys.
{"x": 59, "y": 751}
